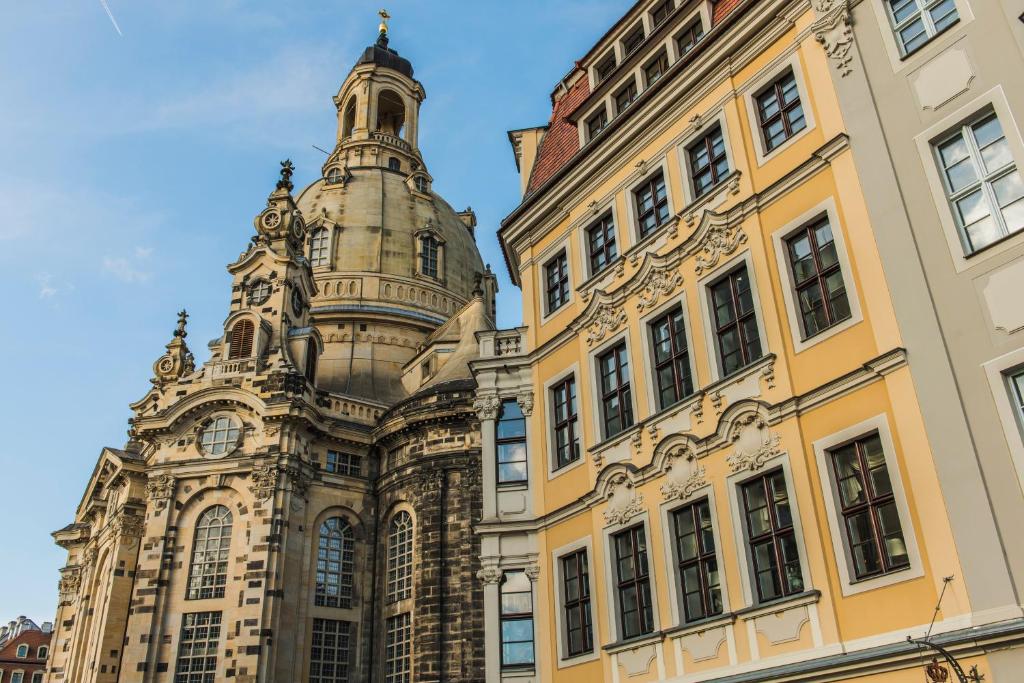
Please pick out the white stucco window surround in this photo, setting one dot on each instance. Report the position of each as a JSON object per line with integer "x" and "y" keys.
{"x": 708, "y": 123}
{"x": 734, "y": 483}
{"x": 830, "y": 493}
{"x": 825, "y": 210}
{"x": 553, "y": 470}
{"x": 1001, "y": 373}
{"x": 635, "y": 182}
{"x": 757, "y": 85}
{"x": 650, "y": 379}
{"x": 597, "y": 425}
{"x": 708, "y": 316}
{"x": 993, "y": 101}
{"x": 935, "y": 44}
{"x": 672, "y": 559}
{"x": 545, "y": 259}
{"x": 557, "y": 572}
{"x": 614, "y": 612}
{"x": 581, "y": 229}
{"x": 420, "y": 238}
{"x": 701, "y": 14}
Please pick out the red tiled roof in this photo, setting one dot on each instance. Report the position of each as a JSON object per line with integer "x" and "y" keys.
{"x": 562, "y": 139}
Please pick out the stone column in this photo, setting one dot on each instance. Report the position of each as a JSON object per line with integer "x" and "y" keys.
{"x": 487, "y": 408}
{"x": 491, "y": 576}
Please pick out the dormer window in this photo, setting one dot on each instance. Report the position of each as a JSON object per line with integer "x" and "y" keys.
{"x": 421, "y": 184}
{"x": 597, "y": 122}
{"x": 430, "y": 256}
{"x": 605, "y": 67}
{"x": 660, "y": 12}
{"x": 319, "y": 247}
{"x": 626, "y": 96}
{"x": 22, "y": 651}
{"x": 633, "y": 39}
{"x": 394, "y": 164}
{"x": 656, "y": 69}
{"x": 690, "y": 36}
{"x": 241, "y": 340}
{"x": 334, "y": 176}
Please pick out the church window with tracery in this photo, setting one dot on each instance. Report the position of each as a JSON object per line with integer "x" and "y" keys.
{"x": 241, "y": 340}
{"x": 400, "y": 535}
{"x": 335, "y": 564}
{"x": 208, "y": 574}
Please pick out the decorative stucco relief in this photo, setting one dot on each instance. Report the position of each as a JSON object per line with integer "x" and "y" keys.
{"x": 755, "y": 444}
{"x": 683, "y": 476}
{"x": 606, "y": 320}
{"x": 487, "y": 407}
{"x": 69, "y": 585}
{"x": 264, "y": 482}
{"x": 624, "y": 503}
{"x": 159, "y": 490}
{"x": 720, "y": 240}
{"x": 834, "y": 31}
{"x": 661, "y": 282}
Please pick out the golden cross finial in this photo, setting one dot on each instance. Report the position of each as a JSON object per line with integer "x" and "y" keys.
{"x": 384, "y": 16}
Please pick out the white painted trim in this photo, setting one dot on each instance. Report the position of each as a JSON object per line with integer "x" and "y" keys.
{"x": 650, "y": 386}
{"x": 994, "y": 99}
{"x": 997, "y": 371}
{"x": 659, "y": 164}
{"x": 734, "y": 482}
{"x": 611, "y": 576}
{"x": 757, "y": 85}
{"x": 676, "y": 610}
{"x": 827, "y": 208}
{"x": 707, "y": 312}
{"x": 930, "y": 49}
{"x": 595, "y": 385}
{"x": 545, "y": 259}
{"x": 830, "y": 495}
{"x": 549, "y": 422}
{"x": 585, "y": 543}
{"x": 715, "y": 118}
{"x": 700, "y": 13}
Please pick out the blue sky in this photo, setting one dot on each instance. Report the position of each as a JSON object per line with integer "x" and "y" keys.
{"x": 131, "y": 167}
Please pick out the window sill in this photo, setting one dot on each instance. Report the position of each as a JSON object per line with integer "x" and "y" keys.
{"x": 600, "y": 276}
{"x": 615, "y": 440}
{"x": 730, "y": 182}
{"x": 741, "y": 374}
{"x": 917, "y": 50}
{"x": 669, "y": 228}
{"x": 632, "y": 643}
{"x": 779, "y": 605}
{"x": 992, "y": 245}
{"x": 701, "y": 625}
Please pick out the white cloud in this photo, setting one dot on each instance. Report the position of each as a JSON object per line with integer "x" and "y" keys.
{"x": 131, "y": 271}
{"x": 46, "y": 288}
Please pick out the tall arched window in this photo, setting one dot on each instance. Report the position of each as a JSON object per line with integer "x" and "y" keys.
{"x": 42, "y": 652}
{"x": 335, "y": 563}
{"x": 400, "y": 557}
{"x": 349, "y": 121}
{"x": 241, "y": 340}
{"x": 208, "y": 574}
{"x": 311, "y": 353}
{"x": 319, "y": 252}
{"x": 428, "y": 255}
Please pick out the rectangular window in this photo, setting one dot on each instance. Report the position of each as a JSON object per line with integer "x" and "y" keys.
{"x": 605, "y": 67}
{"x": 709, "y": 164}
{"x": 633, "y": 39}
{"x": 874, "y": 534}
{"x": 656, "y": 69}
{"x": 689, "y": 38}
{"x": 739, "y": 341}
{"x": 197, "y": 648}
{"x": 511, "y": 443}
{"x": 1017, "y": 393}
{"x": 319, "y": 254}
{"x": 982, "y": 183}
{"x": 820, "y": 289}
{"x": 633, "y": 583}
{"x": 771, "y": 537}
{"x": 398, "y": 650}
{"x": 557, "y": 274}
{"x": 344, "y": 463}
{"x": 660, "y": 12}
{"x": 567, "y": 437}
{"x": 915, "y": 22}
{"x": 780, "y": 112}
{"x": 651, "y": 201}
{"x": 601, "y": 244}
{"x": 596, "y": 123}
{"x": 698, "y": 567}
{"x": 616, "y": 398}
{"x": 516, "y": 620}
{"x": 625, "y": 96}
{"x": 429, "y": 248}
{"x": 671, "y": 358}
{"x": 579, "y": 632}
{"x": 330, "y": 652}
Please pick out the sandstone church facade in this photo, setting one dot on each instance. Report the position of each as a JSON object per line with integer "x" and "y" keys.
{"x": 300, "y": 507}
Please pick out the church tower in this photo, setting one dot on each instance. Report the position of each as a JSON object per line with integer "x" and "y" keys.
{"x": 300, "y": 506}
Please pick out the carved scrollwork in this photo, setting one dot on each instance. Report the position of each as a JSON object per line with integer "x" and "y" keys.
{"x": 69, "y": 585}
{"x": 768, "y": 375}
{"x": 160, "y": 490}
{"x": 129, "y": 526}
{"x": 720, "y": 240}
{"x": 525, "y": 400}
{"x": 489, "y": 575}
{"x": 624, "y": 503}
{"x": 755, "y": 444}
{"x": 660, "y": 283}
{"x": 487, "y": 407}
{"x": 834, "y": 31}
{"x": 264, "y": 482}
{"x": 532, "y": 571}
{"x": 431, "y": 482}
{"x": 606, "y": 320}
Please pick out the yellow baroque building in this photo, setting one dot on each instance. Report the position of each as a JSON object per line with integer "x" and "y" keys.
{"x": 704, "y": 453}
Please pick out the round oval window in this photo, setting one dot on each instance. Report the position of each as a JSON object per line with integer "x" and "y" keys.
{"x": 220, "y": 437}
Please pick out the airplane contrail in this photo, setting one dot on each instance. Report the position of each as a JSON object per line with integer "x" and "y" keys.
{"x": 112, "y": 19}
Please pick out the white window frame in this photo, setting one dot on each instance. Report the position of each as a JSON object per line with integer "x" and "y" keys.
{"x": 830, "y": 493}
{"x": 418, "y": 237}
{"x": 613, "y": 49}
{"x": 611, "y": 584}
{"x": 549, "y": 421}
{"x": 563, "y": 661}
{"x": 900, "y": 62}
{"x": 672, "y": 555}
{"x": 923, "y": 10}
{"x": 603, "y": 208}
{"x": 757, "y": 86}
{"x": 595, "y": 385}
{"x": 708, "y": 315}
{"x": 998, "y": 372}
{"x": 22, "y": 651}
{"x": 648, "y": 360}
{"x": 328, "y": 246}
{"x": 735, "y": 481}
{"x": 683, "y": 149}
{"x": 631, "y": 184}
{"x": 544, "y": 259}
{"x": 825, "y": 209}
{"x": 701, "y": 14}
{"x": 995, "y": 99}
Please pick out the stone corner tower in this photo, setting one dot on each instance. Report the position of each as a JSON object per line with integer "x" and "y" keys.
{"x": 300, "y": 506}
